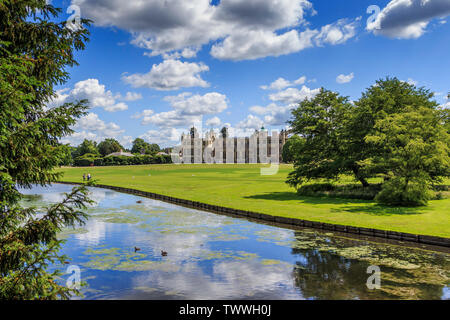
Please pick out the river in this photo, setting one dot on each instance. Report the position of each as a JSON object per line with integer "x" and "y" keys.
{"x": 213, "y": 256}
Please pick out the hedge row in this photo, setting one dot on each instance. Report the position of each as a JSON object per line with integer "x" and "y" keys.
{"x": 122, "y": 161}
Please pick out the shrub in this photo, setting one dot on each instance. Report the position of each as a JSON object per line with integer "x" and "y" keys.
{"x": 85, "y": 160}
{"x": 398, "y": 192}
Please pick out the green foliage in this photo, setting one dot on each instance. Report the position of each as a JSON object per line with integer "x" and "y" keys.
{"x": 109, "y": 146}
{"x": 65, "y": 155}
{"x": 91, "y": 159}
{"x": 142, "y": 147}
{"x": 33, "y": 56}
{"x": 321, "y": 122}
{"x": 394, "y": 131}
{"x": 401, "y": 192}
{"x": 87, "y": 146}
{"x": 291, "y": 148}
{"x": 413, "y": 154}
{"x": 86, "y": 160}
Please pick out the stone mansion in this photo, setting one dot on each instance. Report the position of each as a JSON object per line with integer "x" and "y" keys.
{"x": 260, "y": 147}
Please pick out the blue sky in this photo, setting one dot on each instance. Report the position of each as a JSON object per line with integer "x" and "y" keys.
{"x": 154, "y": 68}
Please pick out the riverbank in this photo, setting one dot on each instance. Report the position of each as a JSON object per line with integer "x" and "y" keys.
{"x": 241, "y": 188}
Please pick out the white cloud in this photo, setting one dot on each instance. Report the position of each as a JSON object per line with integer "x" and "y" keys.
{"x": 132, "y": 96}
{"x": 188, "y": 110}
{"x": 337, "y": 33}
{"x": 241, "y": 29}
{"x": 167, "y": 119}
{"x": 282, "y": 83}
{"x": 170, "y": 75}
{"x": 92, "y": 90}
{"x": 209, "y": 103}
{"x": 250, "y": 45}
{"x": 93, "y": 128}
{"x": 213, "y": 122}
{"x": 342, "y": 78}
{"x": 251, "y": 122}
{"x": 164, "y": 137}
{"x": 408, "y": 19}
{"x": 275, "y": 115}
{"x": 294, "y": 95}
{"x": 173, "y": 25}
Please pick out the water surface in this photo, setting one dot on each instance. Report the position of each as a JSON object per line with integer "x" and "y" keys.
{"x": 219, "y": 257}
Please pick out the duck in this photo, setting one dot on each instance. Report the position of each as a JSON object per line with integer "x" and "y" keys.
{"x": 163, "y": 253}
{"x": 136, "y": 249}
{"x": 139, "y": 201}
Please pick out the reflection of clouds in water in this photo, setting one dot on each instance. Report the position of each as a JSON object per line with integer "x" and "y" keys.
{"x": 229, "y": 280}
{"x": 446, "y": 293}
{"x": 97, "y": 233}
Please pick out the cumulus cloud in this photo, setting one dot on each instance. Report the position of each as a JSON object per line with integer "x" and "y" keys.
{"x": 241, "y": 29}
{"x": 282, "y": 83}
{"x": 406, "y": 19}
{"x": 163, "y": 137}
{"x": 337, "y": 33}
{"x": 188, "y": 110}
{"x": 95, "y": 92}
{"x": 132, "y": 96}
{"x": 251, "y": 122}
{"x": 274, "y": 115}
{"x": 294, "y": 95}
{"x": 213, "y": 122}
{"x": 253, "y": 44}
{"x": 342, "y": 78}
{"x": 209, "y": 103}
{"x": 167, "y": 119}
{"x": 93, "y": 128}
{"x": 170, "y": 75}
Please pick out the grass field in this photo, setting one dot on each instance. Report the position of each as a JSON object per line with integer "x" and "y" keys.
{"x": 243, "y": 187}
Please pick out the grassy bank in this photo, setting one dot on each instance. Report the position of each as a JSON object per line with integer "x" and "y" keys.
{"x": 243, "y": 187}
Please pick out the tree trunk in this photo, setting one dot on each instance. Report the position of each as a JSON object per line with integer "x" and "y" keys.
{"x": 361, "y": 179}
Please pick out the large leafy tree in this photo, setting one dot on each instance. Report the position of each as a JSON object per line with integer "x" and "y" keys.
{"x": 321, "y": 123}
{"x": 34, "y": 53}
{"x": 395, "y": 131}
{"x": 142, "y": 147}
{"x": 386, "y": 97}
{"x": 291, "y": 148}
{"x": 87, "y": 147}
{"x": 413, "y": 150}
{"x": 109, "y": 146}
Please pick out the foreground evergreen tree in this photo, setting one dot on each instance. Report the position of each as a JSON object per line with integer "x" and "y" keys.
{"x": 34, "y": 53}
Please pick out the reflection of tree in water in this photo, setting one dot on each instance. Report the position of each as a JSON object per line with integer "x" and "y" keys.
{"x": 324, "y": 274}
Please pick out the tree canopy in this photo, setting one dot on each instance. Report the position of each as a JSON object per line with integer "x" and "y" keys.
{"x": 109, "y": 146}
{"x": 34, "y": 55}
{"x": 394, "y": 131}
{"x": 142, "y": 147}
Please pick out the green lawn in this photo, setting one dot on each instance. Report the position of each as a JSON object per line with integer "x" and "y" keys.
{"x": 243, "y": 187}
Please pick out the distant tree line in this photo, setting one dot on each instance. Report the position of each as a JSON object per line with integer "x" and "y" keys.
{"x": 90, "y": 153}
{"x": 395, "y": 132}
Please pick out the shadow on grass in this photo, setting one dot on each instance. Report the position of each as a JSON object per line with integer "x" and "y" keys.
{"x": 353, "y": 205}
{"x": 293, "y": 196}
{"x": 380, "y": 210}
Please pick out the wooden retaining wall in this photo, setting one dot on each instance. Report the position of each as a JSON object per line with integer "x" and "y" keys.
{"x": 423, "y": 239}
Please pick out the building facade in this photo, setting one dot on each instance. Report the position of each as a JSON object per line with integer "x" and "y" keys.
{"x": 260, "y": 147}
